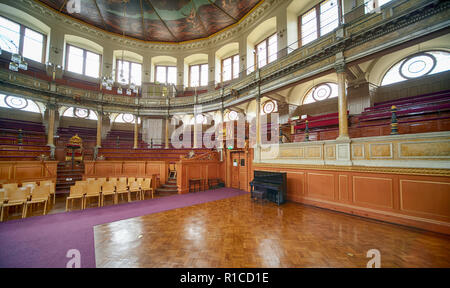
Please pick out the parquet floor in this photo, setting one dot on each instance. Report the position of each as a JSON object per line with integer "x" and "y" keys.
{"x": 237, "y": 232}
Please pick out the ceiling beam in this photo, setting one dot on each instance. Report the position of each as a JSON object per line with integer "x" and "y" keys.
{"x": 226, "y": 13}
{"x": 164, "y": 23}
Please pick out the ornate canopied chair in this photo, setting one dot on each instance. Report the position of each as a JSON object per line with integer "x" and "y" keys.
{"x": 74, "y": 149}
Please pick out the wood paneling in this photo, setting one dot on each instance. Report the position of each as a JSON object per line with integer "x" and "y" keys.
{"x": 194, "y": 169}
{"x": 373, "y": 191}
{"x": 321, "y": 185}
{"x": 22, "y": 171}
{"x": 425, "y": 198}
{"x": 419, "y": 201}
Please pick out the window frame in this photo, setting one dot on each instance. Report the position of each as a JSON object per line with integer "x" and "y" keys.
{"x": 232, "y": 67}
{"x": 199, "y": 76}
{"x": 317, "y": 7}
{"x": 22, "y": 39}
{"x": 167, "y": 73}
{"x": 129, "y": 71}
{"x": 84, "y": 60}
{"x": 267, "y": 50}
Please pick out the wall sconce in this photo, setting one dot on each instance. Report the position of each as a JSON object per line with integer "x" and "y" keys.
{"x": 281, "y": 33}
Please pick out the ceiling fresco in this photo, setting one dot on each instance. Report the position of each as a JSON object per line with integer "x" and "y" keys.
{"x": 159, "y": 20}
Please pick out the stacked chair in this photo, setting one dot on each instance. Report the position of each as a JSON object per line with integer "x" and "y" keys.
{"x": 101, "y": 188}
{"x": 11, "y": 195}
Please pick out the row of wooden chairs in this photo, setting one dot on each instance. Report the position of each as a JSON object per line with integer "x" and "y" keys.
{"x": 100, "y": 188}
{"x": 30, "y": 193}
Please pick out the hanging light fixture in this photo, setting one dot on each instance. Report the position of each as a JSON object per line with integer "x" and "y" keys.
{"x": 17, "y": 60}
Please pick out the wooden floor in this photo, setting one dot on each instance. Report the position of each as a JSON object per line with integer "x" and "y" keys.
{"x": 238, "y": 232}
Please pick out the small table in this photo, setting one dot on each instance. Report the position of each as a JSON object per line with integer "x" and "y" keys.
{"x": 214, "y": 183}
{"x": 194, "y": 183}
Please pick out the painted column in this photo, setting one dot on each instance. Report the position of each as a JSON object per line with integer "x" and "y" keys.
{"x": 99, "y": 129}
{"x": 51, "y": 124}
{"x": 342, "y": 102}
{"x": 166, "y": 140}
{"x": 136, "y": 132}
{"x": 257, "y": 155}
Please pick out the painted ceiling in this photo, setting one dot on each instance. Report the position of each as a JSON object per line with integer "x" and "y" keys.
{"x": 158, "y": 20}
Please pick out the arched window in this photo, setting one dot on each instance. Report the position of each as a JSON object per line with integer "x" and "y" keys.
{"x": 14, "y": 102}
{"x": 321, "y": 92}
{"x": 126, "y": 118}
{"x": 80, "y": 113}
{"x": 417, "y": 65}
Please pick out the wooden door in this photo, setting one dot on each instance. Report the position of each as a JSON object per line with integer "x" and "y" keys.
{"x": 235, "y": 170}
{"x": 243, "y": 165}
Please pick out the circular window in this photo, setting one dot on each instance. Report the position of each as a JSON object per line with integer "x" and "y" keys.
{"x": 199, "y": 118}
{"x": 322, "y": 92}
{"x": 127, "y": 118}
{"x": 232, "y": 115}
{"x": 81, "y": 113}
{"x": 418, "y": 65}
{"x": 16, "y": 102}
{"x": 269, "y": 107}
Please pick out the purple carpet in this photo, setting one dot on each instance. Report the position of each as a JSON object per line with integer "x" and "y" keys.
{"x": 43, "y": 241}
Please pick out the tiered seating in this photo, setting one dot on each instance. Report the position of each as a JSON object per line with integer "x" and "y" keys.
{"x": 33, "y": 140}
{"x": 321, "y": 127}
{"x": 147, "y": 154}
{"x": 126, "y": 139}
{"x": 417, "y": 114}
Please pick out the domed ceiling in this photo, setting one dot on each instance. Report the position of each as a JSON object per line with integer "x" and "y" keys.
{"x": 158, "y": 20}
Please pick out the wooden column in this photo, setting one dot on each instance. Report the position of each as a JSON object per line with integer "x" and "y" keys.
{"x": 99, "y": 129}
{"x": 166, "y": 140}
{"x": 342, "y": 102}
{"x": 136, "y": 132}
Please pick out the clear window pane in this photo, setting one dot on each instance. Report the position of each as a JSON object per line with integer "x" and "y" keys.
{"x": 194, "y": 76}
{"x": 123, "y": 72}
{"x": 204, "y": 76}
{"x": 75, "y": 60}
{"x": 272, "y": 48}
{"x": 172, "y": 75}
{"x": 10, "y": 34}
{"x": 226, "y": 69}
{"x": 33, "y": 45}
{"x": 136, "y": 73}
{"x": 161, "y": 74}
{"x": 329, "y": 16}
{"x": 235, "y": 66}
{"x": 261, "y": 51}
{"x": 309, "y": 27}
{"x": 92, "y": 64}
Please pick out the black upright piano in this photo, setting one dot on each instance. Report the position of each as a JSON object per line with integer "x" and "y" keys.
{"x": 272, "y": 183}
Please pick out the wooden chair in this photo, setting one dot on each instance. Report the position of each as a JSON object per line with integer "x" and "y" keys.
{"x": 108, "y": 188}
{"x": 76, "y": 192}
{"x": 134, "y": 188}
{"x": 121, "y": 188}
{"x": 52, "y": 188}
{"x": 101, "y": 180}
{"x": 10, "y": 187}
{"x": 113, "y": 180}
{"x": 92, "y": 190}
{"x": 3, "y": 197}
{"x": 32, "y": 186}
{"x": 41, "y": 194}
{"x": 123, "y": 179}
{"x": 146, "y": 186}
{"x": 139, "y": 181}
{"x": 131, "y": 180}
{"x": 16, "y": 197}
{"x": 172, "y": 171}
